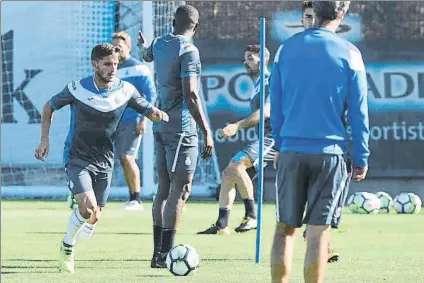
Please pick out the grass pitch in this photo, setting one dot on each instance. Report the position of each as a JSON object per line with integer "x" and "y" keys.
{"x": 374, "y": 248}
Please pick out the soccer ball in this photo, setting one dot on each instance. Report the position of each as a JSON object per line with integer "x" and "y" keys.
{"x": 365, "y": 203}
{"x": 386, "y": 201}
{"x": 407, "y": 203}
{"x": 183, "y": 260}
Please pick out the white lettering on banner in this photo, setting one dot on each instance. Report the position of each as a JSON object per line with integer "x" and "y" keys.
{"x": 396, "y": 86}
{"x": 390, "y": 87}
{"x": 396, "y": 131}
{"x": 45, "y": 51}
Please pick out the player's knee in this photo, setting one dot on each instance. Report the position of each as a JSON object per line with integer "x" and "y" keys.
{"x": 186, "y": 192}
{"x": 126, "y": 160}
{"x": 96, "y": 215}
{"x": 285, "y": 230}
{"x": 87, "y": 210}
{"x": 230, "y": 171}
{"x": 317, "y": 231}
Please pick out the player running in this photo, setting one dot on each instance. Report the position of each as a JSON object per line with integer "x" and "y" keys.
{"x": 177, "y": 67}
{"x": 235, "y": 173}
{"x": 97, "y": 104}
{"x": 133, "y": 124}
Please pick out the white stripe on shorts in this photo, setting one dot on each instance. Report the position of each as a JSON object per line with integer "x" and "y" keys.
{"x": 267, "y": 149}
{"x": 140, "y": 137}
{"x": 174, "y": 164}
{"x": 277, "y": 205}
{"x": 336, "y": 200}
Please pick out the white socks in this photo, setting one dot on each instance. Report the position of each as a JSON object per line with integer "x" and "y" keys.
{"x": 74, "y": 225}
{"x": 84, "y": 233}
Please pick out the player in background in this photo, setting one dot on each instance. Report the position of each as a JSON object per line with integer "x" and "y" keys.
{"x": 133, "y": 124}
{"x": 177, "y": 68}
{"x": 311, "y": 168}
{"x": 235, "y": 173}
{"x": 97, "y": 104}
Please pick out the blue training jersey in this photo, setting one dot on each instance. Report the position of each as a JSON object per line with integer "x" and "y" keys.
{"x": 137, "y": 74}
{"x": 175, "y": 57}
{"x": 317, "y": 74}
{"x": 95, "y": 115}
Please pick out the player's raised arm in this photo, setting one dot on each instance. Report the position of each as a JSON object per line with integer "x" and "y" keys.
{"x": 190, "y": 72}
{"x": 145, "y": 50}
{"x": 358, "y": 113}
{"x": 142, "y": 106}
{"x": 55, "y": 103}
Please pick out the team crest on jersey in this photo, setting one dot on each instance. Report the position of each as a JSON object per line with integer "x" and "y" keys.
{"x": 187, "y": 161}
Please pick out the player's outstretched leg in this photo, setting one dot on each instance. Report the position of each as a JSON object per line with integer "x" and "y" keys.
{"x": 180, "y": 191}
{"x": 80, "y": 228}
{"x": 245, "y": 187}
{"x": 235, "y": 173}
{"x": 227, "y": 195}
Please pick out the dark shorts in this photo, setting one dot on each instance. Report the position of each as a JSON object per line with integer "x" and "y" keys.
{"x": 127, "y": 141}
{"x": 317, "y": 181}
{"x": 252, "y": 152}
{"x": 178, "y": 152}
{"x": 82, "y": 180}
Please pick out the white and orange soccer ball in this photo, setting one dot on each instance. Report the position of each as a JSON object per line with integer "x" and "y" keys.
{"x": 407, "y": 203}
{"x": 183, "y": 260}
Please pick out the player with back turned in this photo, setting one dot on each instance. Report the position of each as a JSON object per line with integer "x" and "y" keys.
{"x": 308, "y": 106}
{"x": 177, "y": 66}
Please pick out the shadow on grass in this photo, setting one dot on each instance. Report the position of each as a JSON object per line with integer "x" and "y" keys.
{"x": 25, "y": 267}
{"x": 78, "y": 260}
{"x": 99, "y": 233}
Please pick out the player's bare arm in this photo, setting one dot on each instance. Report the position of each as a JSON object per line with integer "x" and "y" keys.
{"x": 141, "y": 126}
{"x": 194, "y": 103}
{"x": 140, "y": 104}
{"x": 42, "y": 150}
{"x": 250, "y": 121}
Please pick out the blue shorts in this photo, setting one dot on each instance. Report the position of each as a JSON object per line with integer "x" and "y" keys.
{"x": 252, "y": 152}
{"x": 82, "y": 180}
{"x": 177, "y": 152}
{"x": 319, "y": 181}
{"x": 127, "y": 141}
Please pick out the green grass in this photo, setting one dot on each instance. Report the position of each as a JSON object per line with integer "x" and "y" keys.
{"x": 373, "y": 248}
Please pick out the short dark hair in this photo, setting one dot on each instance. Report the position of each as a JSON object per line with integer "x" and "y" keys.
{"x": 306, "y": 5}
{"x": 102, "y": 50}
{"x": 328, "y": 10}
{"x": 256, "y": 48}
{"x": 186, "y": 16}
